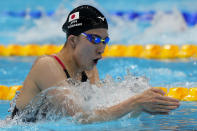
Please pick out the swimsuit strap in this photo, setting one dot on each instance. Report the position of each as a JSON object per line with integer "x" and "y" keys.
{"x": 84, "y": 76}
{"x": 61, "y": 63}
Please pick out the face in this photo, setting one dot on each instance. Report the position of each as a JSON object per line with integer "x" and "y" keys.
{"x": 87, "y": 54}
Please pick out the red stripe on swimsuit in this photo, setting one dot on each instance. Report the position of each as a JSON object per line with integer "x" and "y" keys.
{"x": 59, "y": 61}
{"x": 84, "y": 76}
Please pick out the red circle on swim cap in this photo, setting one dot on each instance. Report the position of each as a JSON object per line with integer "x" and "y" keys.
{"x": 73, "y": 16}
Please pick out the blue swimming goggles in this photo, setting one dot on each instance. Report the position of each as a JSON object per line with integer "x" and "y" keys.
{"x": 96, "y": 39}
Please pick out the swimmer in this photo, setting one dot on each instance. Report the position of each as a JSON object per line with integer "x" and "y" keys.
{"x": 87, "y": 37}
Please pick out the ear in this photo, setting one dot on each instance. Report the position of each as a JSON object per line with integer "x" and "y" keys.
{"x": 72, "y": 40}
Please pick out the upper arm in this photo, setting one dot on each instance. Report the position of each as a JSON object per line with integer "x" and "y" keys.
{"x": 64, "y": 101}
{"x": 46, "y": 72}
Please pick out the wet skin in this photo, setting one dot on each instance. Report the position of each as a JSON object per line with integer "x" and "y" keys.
{"x": 79, "y": 55}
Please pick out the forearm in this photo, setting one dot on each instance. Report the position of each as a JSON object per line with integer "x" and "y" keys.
{"x": 114, "y": 112}
{"x": 62, "y": 100}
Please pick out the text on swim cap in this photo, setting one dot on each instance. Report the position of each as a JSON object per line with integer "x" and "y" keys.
{"x": 70, "y": 26}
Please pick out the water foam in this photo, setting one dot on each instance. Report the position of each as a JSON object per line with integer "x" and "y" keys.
{"x": 86, "y": 96}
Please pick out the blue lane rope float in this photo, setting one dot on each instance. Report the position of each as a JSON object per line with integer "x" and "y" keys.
{"x": 132, "y": 15}
{"x": 190, "y": 17}
{"x": 35, "y": 14}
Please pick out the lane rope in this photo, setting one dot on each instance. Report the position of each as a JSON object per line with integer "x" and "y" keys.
{"x": 180, "y": 93}
{"x": 189, "y": 17}
{"x": 150, "y": 51}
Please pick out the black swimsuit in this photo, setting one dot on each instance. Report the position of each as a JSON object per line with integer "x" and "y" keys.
{"x": 83, "y": 79}
{"x": 84, "y": 76}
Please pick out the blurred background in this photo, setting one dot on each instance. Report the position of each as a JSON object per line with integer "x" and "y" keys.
{"x": 130, "y": 21}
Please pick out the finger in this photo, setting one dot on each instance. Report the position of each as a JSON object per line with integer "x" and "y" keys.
{"x": 164, "y": 113}
{"x": 166, "y": 103}
{"x": 166, "y": 107}
{"x": 166, "y": 98}
{"x": 157, "y": 111}
{"x": 157, "y": 90}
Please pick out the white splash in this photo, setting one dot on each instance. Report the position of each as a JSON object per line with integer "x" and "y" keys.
{"x": 164, "y": 28}
{"x": 86, "y": 96}
{"x": 169, "y": 28}
{"x": 46, "y": 29}
{"x": 168, "y": 22}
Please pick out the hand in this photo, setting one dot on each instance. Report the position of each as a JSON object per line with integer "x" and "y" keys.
{"x": 153, "y": 101}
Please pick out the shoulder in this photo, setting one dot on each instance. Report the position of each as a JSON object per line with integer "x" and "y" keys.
{"x": 41, "y": 64}
{"x": 45, "y": 62}
{"x": 46, "y": 72}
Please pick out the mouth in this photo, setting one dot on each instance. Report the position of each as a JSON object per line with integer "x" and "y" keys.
{"x": 96, "y": 60}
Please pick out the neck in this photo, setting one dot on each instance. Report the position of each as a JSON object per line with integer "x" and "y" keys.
{"x": 66, "y": 56}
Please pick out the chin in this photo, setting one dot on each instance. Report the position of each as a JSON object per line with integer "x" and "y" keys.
{"x": 88, "y": 68}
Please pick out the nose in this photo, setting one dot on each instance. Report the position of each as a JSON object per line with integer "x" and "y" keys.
{"x": 101, "y": 48}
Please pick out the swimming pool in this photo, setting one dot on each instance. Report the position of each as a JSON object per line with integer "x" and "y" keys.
{"x": 167, "y": 74}
{"x": 171, "y": 73}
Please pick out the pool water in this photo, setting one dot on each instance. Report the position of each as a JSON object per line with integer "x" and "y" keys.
{"x": 165, "y": 73}
{"x": 160, "y": 73}
{"x": 165, "y": 28}
{"x": 184, "y": 118}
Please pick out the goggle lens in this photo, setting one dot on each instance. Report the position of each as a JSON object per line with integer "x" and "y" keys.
{"x": 96, "y": 39}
